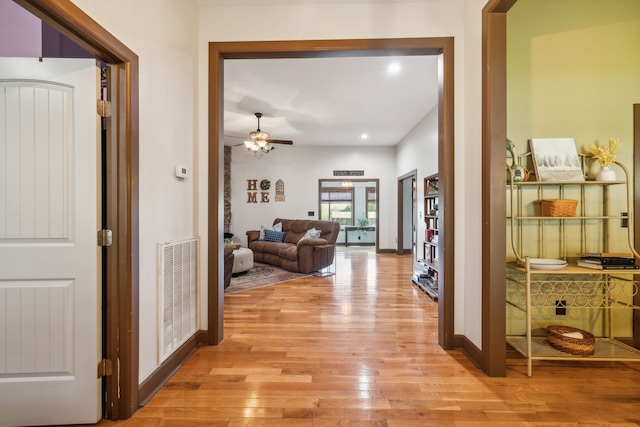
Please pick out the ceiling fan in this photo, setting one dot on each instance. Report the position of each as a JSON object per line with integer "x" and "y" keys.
{"x": 260, "y": 141}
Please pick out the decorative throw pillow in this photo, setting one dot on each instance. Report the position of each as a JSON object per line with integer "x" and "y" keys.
{"x": 275, "y": 227}
{"x": 311, "y": 233}
{"x": 273, "y": 235}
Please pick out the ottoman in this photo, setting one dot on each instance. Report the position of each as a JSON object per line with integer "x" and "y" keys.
{"x": 242, "y": 260}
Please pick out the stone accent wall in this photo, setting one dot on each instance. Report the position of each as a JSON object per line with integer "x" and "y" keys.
{"x": 227, "y": 189}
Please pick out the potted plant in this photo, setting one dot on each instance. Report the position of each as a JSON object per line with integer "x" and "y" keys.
{"x": 606, "y": 156}
{"x": 362, "y": 224}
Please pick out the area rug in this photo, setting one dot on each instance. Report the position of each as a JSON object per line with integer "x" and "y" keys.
{"x": 261, "y": 275}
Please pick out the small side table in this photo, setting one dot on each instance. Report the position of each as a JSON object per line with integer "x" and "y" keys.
{"x": 327, "y": 255}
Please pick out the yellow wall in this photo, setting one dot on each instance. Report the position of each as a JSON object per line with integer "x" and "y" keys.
{"x": 574, "y": 71}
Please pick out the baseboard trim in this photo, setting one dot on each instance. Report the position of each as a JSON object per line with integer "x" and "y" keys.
{"x": 386, "y": 251}
{"x": 154, "y": 382}
{"x": 470, "y": 350}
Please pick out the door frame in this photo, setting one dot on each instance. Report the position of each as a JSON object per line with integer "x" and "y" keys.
{"x": 443, "y": 47}
{"x": 122, "y": 200}
{"x": 347, "y": 180}
{"x": 401, "y": 208}
{"x": 636, "y": 217}
{"x": 494, "y": 187}
{"x": 494, "y": 135}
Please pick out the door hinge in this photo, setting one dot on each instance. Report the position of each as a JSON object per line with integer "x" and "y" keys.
{"x": 104, "y": 368}
{"x": 105, "y": 238}
{"x": 104, "y": 108}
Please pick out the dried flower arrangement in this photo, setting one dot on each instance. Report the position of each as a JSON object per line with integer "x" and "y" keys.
{"x": 606, "y": 155}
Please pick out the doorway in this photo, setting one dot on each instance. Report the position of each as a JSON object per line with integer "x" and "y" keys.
{"x": 353, "y": 203}
{"x": 407, "y": 215}
{"x": 219, "y": 52}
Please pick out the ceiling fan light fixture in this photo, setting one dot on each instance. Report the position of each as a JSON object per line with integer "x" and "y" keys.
{"x": 258, "y": 135}
{"x": 259, "y": 142}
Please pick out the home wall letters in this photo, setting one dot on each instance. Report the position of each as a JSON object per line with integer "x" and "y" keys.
{"x": 252, "y": 191}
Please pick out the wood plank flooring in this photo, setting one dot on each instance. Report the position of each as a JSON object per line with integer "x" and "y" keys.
{"x": 360, "y": 349}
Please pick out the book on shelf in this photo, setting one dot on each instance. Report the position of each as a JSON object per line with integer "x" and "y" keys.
{"x": 597, "y": 266}
{"x": 608, "y": 258}
{"x": 609, "y": 261}
{"x": 605, "y": 255}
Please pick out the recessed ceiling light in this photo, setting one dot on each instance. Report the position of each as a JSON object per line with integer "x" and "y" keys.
{"x": 394, "y": 68}
{"x": 364, "y": 136}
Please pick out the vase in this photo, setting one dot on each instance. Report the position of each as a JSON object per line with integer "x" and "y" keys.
{"x": 606, "y": 174}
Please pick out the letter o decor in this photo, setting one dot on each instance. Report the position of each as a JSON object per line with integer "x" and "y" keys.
{"x": 265, "y": 184}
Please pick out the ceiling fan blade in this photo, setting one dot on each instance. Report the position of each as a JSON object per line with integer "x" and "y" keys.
{"x": 279, "y": 141}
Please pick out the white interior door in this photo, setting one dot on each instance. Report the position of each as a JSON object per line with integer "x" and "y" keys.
{"x": 50, "y": 328}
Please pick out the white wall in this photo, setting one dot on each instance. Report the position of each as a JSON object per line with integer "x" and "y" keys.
{"x": 20, "y": 31}
{"x": 419, "y": 150}
{"x": 468, "y": 159}
{"x": 163, "y": 35}
{"x": 300, "y": 168}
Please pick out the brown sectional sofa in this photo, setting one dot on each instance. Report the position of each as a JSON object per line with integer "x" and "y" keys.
{"x": 228, "y": 265}
{"x": 294, "y": 254}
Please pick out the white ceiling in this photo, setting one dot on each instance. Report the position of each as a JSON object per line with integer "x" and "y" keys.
{"x": 328, "y": 101}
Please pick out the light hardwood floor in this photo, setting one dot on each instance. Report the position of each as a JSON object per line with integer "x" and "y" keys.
{"x": 360, "y": 349}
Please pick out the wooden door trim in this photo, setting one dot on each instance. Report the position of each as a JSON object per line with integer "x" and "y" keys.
{"x": 493, "y": 188}
{"x": 494, "y": 234}
{"x": 636, "y": 211}
{"x": 122, "y": 264}
{"x": 400, "y": 192}
{"x": 443, "y": 47}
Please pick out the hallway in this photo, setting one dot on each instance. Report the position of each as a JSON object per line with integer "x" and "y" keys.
{"x": 360, "y": 349}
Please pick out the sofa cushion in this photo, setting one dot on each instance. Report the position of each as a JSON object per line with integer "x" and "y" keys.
{"x": 296, "y": 228}
{"x": 273, "y": 235}
{"x": 275, "y": 227}
{"x": 289, "y": 252}
{"x": 310, "y": 234}
{"x": 282, "y": 250}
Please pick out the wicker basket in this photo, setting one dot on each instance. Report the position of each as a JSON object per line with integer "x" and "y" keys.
{"x": 576, "y": 346}
{"x": 559, "y": 207}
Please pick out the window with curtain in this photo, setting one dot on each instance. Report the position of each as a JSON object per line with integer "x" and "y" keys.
{"x": 372, "y": 206}
{"x": 336, "y": 204}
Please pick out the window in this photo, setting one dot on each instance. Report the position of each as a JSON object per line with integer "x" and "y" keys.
{"x": 349, "y": 202}
{"x": 336, "y": 204}
{"x": 372, "y": 206}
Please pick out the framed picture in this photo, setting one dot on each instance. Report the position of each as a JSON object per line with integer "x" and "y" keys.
{"x": 556, "y": 159}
